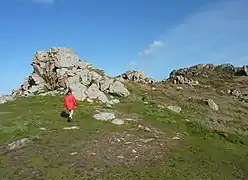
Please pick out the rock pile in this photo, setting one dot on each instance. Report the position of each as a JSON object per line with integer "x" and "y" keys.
{"x": 204, "y": 69}
{"x": 136, "y": 76}
{"x": 5, "y": 98}
{"x": 192, "y": 71}
{"x": 60, "y": 68}
{"x": 185, "y": 75}
{"x": 184, "y": 80}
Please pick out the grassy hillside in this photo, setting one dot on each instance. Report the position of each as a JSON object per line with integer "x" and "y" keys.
{"x": 197, "y": 143}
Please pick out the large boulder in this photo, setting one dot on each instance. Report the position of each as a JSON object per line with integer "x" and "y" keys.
{"x": 246, "y": 70}
{"x": 117, "y": 88}
{"x": 93, "y": 92}
{"x": 79, "y": 91}
{"x": 64, "y": 58}
{"x": 61, "y": 68}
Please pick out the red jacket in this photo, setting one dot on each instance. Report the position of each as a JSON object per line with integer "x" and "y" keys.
{"x": 70, "y": 102}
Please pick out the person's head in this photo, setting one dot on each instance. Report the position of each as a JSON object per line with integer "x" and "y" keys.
{"x": 69, "y": 92}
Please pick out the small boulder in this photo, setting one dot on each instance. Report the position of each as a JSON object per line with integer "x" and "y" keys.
{"x": 114, "y": 101}
{"x": 104, "y": 116}
{"x": 118, "y": 122}
{"x": 108, "y": 105}
{"x": 212, "y": 104}
{"x": 18, "y": 144}
{"x": 236, "y": 92}
{"x": 71, "y": 128}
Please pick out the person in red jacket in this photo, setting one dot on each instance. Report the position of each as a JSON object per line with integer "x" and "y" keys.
{"x": 70, "y": 104}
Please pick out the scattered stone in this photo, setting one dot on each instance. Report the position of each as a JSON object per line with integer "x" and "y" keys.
{"x": 118, "y": 140}
{"x": 175, "y": 109}
{"x": 93, "y": 154}
{"x": 146, "y": 102}
{"x": 212, "y": 104}
{"x": 161, "y": 106}
{"x": 229, "y": 91}
{"x": 104, "y": 116}
{"x": 108, "y": 105}
{"x": 235, "y": 92}
{"x": 120, "y": 157}
{"x": 147, "y": 129}
{"x": 175, "y": 138}
{"x": 114, "y": 101}
{"x": 127, "y": 143}
{"x": 18, "y": 144}
{"x": 89, "y": 100}
{"x": 74, "y": 153}
{"x": 244, "y": 99}
{"x": 70, "y": 128}
{"x": 134, "y": 151}
{"x": 146, "y": 140}
{"x": 144, "y": 128}
{"x": 118, "y": 122}
{"x": 50, "y": 93}
{"x": 179, "y": 88}
{"x": 42, "y": 128}
{"x": 130, "y": 119}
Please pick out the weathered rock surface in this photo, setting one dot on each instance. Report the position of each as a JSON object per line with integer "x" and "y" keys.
{"x": 136, "y": 76}
{"x": 61, "y": 68}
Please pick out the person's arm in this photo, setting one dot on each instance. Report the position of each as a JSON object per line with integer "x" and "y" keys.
{"x": 75, "y": 101}
{"x": 65, "y": 103}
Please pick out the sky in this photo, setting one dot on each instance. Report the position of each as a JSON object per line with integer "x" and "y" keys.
{"x": 155, "y": 36}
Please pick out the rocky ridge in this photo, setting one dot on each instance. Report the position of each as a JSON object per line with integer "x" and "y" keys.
{"x": 60, "y": 69}
{"x": 185, "y": 75}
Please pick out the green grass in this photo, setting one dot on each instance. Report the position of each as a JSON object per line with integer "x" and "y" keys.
{"x": 199, "y": 154}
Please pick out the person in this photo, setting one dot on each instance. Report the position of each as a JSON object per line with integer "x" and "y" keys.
{"x": 70, "y": 104}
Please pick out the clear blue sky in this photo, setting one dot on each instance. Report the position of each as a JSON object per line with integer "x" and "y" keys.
{"x": 116, "y": 35}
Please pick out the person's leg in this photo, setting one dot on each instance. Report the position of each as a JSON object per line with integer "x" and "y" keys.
{"x": 71, "y": 113}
